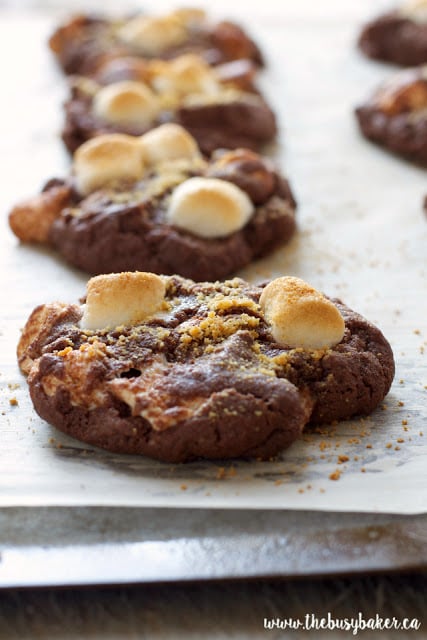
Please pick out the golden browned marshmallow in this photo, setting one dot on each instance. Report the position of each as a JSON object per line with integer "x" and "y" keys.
{"x": 123, "y": 68}
{"x": 84, "y": 85}
{"x": 168, "y": 142}
{"x": 415, "y": 10}
{"x": 225, "y": 96}
{"x": 301, "y": 316}
{"x": 190, "y": 15}
{"x": 405, "y": 91}
{"x": 209, "y": 207}
{"x": 121, "y": 299}
{"x": 151, "y": 35}
{"x": 185, "y": 75}
{"x": 126, "y": 103}
{"x": 105, "y": 159}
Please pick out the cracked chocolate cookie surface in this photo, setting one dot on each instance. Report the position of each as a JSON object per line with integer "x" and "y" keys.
{"x": 201, "y": 375}
{"x": 124, "y": 208}
{"x": 395, "y": 117}
{"x": 399, "y": 36}
{"x": 220, "y": 106}
{"x": 85, "y": 42}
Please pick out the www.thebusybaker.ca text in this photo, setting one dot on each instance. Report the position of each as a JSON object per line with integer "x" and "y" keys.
{"x": 312, "y": 622}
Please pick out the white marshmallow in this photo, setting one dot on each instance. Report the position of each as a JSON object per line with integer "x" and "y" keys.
{"x": 126, "y": 103}
{"x": 209, "y": 207}
{"x": 121, "y": 299}
{"x": 151, "y": 35}
{"x": 168, "y": 142}
{"x": 185, "y": 75}
{"x": 105, "y": 159}
{"x": 301, "y": 316}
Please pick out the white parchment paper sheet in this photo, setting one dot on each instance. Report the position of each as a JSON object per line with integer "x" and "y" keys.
{"x": 362, "y": 236}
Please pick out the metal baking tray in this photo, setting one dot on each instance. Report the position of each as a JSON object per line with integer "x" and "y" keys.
{"x": 92, "y": 546}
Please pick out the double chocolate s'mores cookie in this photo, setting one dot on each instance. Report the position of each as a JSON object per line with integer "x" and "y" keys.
{"x": 85, "y": 42}
{"x": 176, "y": 370}
{"x": 219, "y": 106}
{"x": 154, "y": 203}
{"x": 395, "y": 117}
{"x": 399, "y": 36}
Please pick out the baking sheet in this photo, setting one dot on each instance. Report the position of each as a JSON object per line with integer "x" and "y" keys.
{"x": 362, "y": 237}
{"x": 65, "y": 546}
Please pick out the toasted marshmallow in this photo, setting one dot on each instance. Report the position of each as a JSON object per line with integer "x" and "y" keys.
{"x": 168, "y": 142}
{"x": 105, "y": 159}
{"x": 227, "y": 95}
{"x": 209, "y": 207}
{"x": 185, "y": 75}
{"x": 126, "y": 103}
{"x": 84, "y": 85}
{"x": 301, "y": 316}
{"x": 415, "y": 10}
{"x": 405, "y": 91}
{"x": 155, "y": 34}
{"x": 190, "y": 15}
{"x": 121, "y": 299}
{"x": 123, "y": 68}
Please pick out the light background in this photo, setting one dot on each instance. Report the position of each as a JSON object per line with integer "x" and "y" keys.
{"x": 362, "y": 236}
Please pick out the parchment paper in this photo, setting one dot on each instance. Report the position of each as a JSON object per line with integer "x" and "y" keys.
{"x": 362, "y": 236}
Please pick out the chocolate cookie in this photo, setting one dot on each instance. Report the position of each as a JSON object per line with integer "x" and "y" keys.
{"x": 153, "y": 203}
{"x": 399, "y": 36}
{"x": 86, "y": 42}
{"x": 219, "y": 106}
{"x": 175, "y": 370}
{"x": 396, "y": 115}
